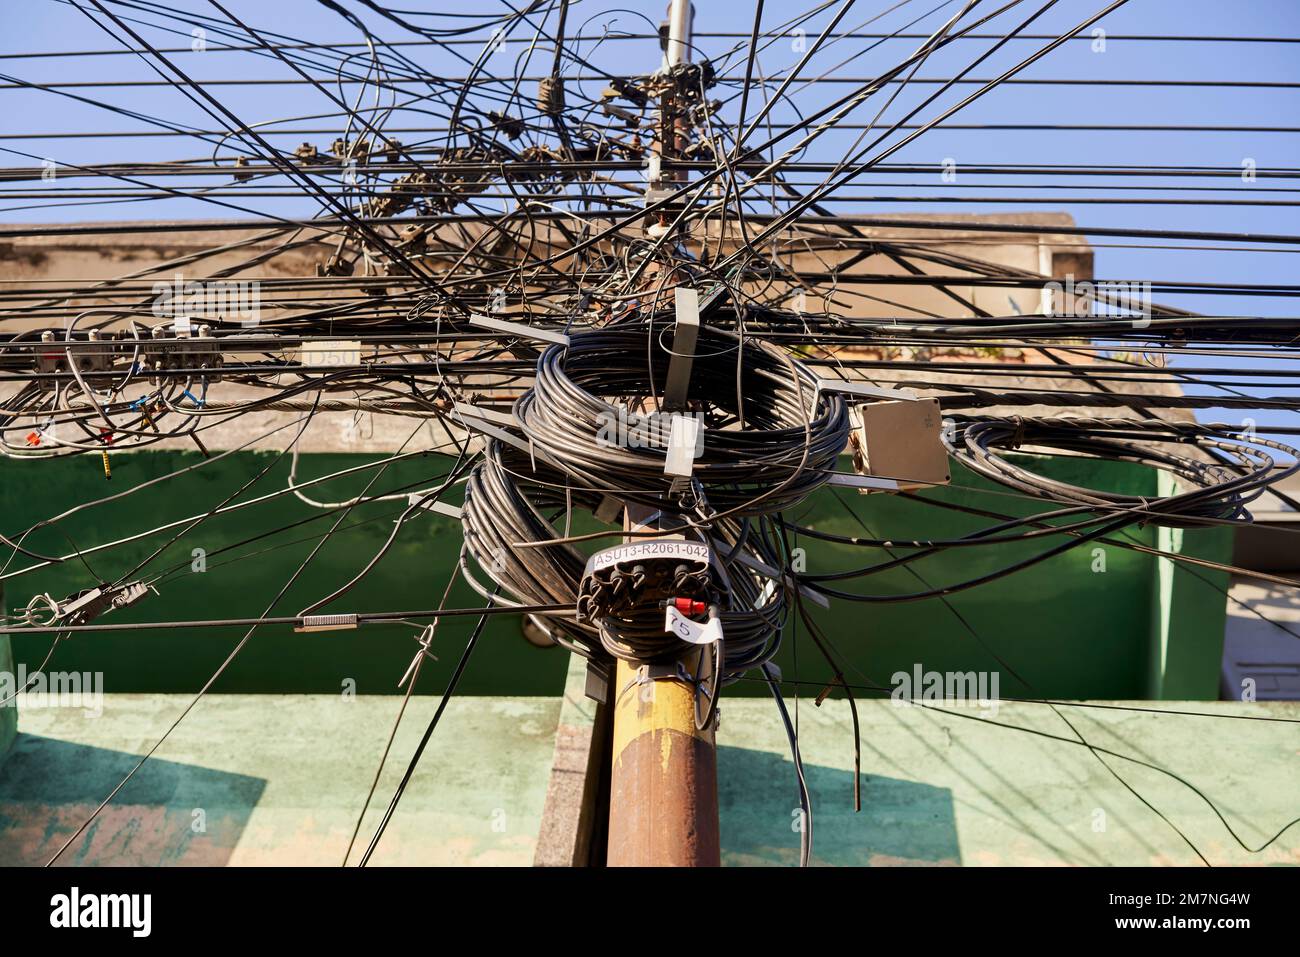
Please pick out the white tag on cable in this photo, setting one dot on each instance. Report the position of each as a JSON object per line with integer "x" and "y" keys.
{"x": 862, "y": 481}
{"x": 686, "y": 334}
{"x": 491, "y": 415}
{"x": 330, "y": 352}
{"x": 675, "y": 623}
{"x": 442, "y": 508}
{"x": 519, "y": 329}
{"x": 683, "y": 445}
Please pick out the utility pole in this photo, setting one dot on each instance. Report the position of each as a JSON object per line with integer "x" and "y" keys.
{"x": 663, "y": 800}
{"x": 663, "y": 805}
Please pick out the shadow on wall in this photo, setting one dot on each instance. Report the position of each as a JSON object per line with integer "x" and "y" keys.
{"x": 169, "y": 813}
{"x": 906, "y": 823}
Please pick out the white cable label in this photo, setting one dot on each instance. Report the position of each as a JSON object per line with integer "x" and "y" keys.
{"x": 684, "y": 444}
{"x": 675, "y": 623}
{"x": 519, "y": 329}
{"x": 330, "y": 352}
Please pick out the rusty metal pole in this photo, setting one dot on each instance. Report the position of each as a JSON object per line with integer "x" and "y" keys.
{"x": 663, "y": 801}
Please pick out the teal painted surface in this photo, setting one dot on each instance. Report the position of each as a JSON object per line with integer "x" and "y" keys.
{"x": 938, "y": 789}
{"x": 278, "y": 780}
{"x": 948, "y": 789}
{"x": 1067, "y": 629}
{"x": 9, "y": 709}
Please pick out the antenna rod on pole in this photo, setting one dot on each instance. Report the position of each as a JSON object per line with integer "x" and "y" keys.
{"x": 681, "y": 15}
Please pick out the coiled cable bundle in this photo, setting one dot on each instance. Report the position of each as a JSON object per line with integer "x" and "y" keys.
{"x": 511, "y": 499}
{"x": 506, "y": 496}
{"x": 1231, "y": 470}
{"x": 770, "y": 437}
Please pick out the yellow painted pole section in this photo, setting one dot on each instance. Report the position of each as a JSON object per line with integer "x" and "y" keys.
{"x": 670, "y": 706}
{"x": 664, "y": 781}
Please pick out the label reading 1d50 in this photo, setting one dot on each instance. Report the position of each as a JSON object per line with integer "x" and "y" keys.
{"x": 341, "y": 352}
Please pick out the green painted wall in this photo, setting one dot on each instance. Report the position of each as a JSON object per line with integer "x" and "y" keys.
{"x": 1068, "y": 630}
{"x": 1079, "y": 625}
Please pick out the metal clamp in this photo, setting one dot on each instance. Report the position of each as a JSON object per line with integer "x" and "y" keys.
{"x": 326, "y": 623}
{"x": 86, "y": 605}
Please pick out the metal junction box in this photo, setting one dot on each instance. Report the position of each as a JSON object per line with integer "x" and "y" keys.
{"x": 900, "y": 440}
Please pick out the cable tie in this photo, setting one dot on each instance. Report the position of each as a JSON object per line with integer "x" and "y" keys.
{"x": 685, "y": 335}
{"x": 519, "y": 329}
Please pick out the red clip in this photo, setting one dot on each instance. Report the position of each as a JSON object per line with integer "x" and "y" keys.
{"x": 688, "y": 606}
{"x": 33, "y": 439}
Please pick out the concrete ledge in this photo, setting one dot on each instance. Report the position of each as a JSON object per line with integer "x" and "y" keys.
{"x": 278, "y": 779}
{"x": 942, "y": 789}
{"x": 275, "y": 779}
{"x": 576, "y": 796}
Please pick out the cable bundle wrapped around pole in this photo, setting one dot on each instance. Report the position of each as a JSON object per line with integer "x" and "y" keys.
{"x": 769, "y": 436}
{"x": 510, "y": 501}
{"x": 504, "y": 501}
